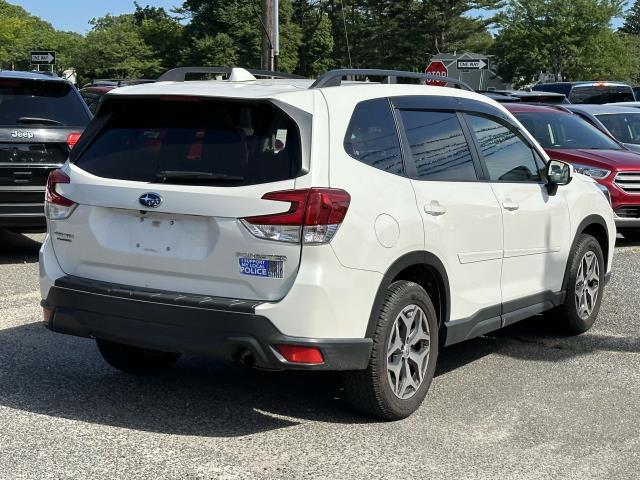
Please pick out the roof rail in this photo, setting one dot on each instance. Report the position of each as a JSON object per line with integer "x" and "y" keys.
{"x": 557, "y": 106}
{"x": 333, "y": 78}
{"x": 179, "y": 74}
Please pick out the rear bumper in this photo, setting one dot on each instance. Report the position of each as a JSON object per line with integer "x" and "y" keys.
{"x": 192, "y": 324}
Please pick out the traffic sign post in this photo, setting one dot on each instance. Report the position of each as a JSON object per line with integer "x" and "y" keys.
{"x": 43, "y": 57}
{"x": 474, "y": 64}
{"x": 438, "y": 68}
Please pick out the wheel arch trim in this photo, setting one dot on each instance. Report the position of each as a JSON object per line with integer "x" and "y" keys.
{"x": 415, "y": 258}
{"x": 586, "y": 222}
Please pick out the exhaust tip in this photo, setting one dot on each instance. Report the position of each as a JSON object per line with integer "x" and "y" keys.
{"x": 247, "y": 358}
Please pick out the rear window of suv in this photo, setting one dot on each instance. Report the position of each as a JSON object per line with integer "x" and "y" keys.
{"x": 190, "y": 140}
{"x": 601, "y": 94}
{"x": 40, "y": 102}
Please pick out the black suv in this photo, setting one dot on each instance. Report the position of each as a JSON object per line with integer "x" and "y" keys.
{"x": 41, "y": 118}
{"x": 590, "y": 92}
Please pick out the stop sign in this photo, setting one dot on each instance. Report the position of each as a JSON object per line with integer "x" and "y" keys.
{"x": 438, "y": 68}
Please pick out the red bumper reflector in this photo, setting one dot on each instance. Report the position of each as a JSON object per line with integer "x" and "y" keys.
{"x": 46, "y": 314}
{"x": 300, "y": 354}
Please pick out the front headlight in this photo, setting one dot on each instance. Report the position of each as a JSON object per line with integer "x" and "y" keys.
{"x": 605, "y": 192}
{"x": 593, "y": 172}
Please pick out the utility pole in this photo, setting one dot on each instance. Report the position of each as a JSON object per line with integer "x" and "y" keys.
{"x": 267, "y": 33}
{"x": 275, "y": 37}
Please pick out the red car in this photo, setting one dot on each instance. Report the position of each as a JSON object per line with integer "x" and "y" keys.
{"x": 567, "y": 137}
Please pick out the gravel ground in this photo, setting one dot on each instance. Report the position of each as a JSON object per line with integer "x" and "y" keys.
{"x": 518, "y": 404}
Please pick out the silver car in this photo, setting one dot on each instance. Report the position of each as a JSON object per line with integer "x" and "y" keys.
{"x": 621, "y": 122}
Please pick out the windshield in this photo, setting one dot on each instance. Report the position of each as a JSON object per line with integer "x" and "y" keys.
{"x": 38, "y": 102}
{"x": 625, "y": 127}
{"x": 601, "y": 94}
{"x": 565, "y": 131}
{"x": 194, "y": 141}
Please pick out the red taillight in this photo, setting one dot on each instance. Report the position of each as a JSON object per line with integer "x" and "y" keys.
{"x": 314, "y": 214}
{"x": 300, "y": 354}
{"x": 57, "y": 207}
{"x": 73, "y": 138}
{"x": 326, "y": 206}
{"x": 293, "y": 216}
{"x": 52, "y": 196}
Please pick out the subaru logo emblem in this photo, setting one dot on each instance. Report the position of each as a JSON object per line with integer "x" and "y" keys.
{"x": 150, "y": 200}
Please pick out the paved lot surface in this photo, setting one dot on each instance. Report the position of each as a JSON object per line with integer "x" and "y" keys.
{"x": 519, "y": 404}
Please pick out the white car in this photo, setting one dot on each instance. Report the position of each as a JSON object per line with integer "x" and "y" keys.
{"x": 293, "y": 224}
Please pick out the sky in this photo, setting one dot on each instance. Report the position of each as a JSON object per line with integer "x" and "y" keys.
{"x": 74, "y": 15}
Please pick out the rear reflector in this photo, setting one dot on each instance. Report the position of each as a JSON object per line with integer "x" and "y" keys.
{"x": 313, "y": 217}
{"x": 46, "y": 314}
{"x": 300, "y": 354}
{"x": 73, "y": 138}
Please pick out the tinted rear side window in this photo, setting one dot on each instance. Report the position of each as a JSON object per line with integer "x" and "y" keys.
{"x": 372, "y": 137}
{"x": 231, "y": 142}
{"x": 40, "y": 102}
{"x": 439, "y": 148}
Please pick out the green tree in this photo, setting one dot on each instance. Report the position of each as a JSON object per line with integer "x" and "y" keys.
{"x": 632, "y": 20}
{"x": 240, "y": 21}
{"x": 316, "y": 43}
{"x": 405, "y": 33}
{"x": 161, "y": 32}
{"x": 571, "y": 40}
{"x": 115, "y": 48}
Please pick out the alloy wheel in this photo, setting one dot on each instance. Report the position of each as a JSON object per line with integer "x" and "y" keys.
{"x": 408, "y": 351}
{"x": 587, "y": 284}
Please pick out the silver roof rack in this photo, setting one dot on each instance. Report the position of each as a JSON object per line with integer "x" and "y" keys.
{"x": 333, "y": 78}
{"x": 179, "y": 74}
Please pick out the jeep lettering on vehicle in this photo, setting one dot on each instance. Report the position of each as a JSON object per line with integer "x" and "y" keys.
{"x": 19, "y": 134}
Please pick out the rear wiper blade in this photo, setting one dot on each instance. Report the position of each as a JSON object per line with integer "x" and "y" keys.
{"x": 186, "y": 175}
{"x": 37, "y": 120}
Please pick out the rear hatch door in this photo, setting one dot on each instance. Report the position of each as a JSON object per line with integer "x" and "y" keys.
{"x": 161, "y": 184}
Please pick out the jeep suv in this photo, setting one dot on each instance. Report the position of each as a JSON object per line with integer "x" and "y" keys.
{"x": 41, "y": 117}
{"x": 327, "y": 225}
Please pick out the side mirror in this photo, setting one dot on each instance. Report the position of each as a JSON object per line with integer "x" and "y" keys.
{"x": 558, "y": 173}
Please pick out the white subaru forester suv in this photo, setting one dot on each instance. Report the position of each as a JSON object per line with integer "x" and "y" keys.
{"x": 315, "y": 225}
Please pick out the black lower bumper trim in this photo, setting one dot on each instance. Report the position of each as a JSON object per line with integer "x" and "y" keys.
{"x": 223, "y": 331}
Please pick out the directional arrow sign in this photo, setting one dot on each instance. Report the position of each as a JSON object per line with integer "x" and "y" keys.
{"x": 477, "y": 64}
{"x": 43, "y": 57}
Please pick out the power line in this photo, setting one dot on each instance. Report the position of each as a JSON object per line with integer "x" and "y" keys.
{"x": 346, "y": 35}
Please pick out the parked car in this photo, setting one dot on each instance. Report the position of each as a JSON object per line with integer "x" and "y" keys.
{"x": 41, "y": 118}
{"x": 392, "y": 220}
{"x": 565, "y": 136}
{"x": 93, "y": 92}
{"x": 590, "y": 92}
{"x": 504, "y": 96}
{"x": 621, "y": 122}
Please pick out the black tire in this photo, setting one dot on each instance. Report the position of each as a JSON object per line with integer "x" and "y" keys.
{"x": 136, "y": 360}
{"x": 370, "y": 391}
{"x": 566, "y": 317}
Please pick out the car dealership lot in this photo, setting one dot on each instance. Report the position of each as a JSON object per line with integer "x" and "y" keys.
{"x": 519, "y": 403}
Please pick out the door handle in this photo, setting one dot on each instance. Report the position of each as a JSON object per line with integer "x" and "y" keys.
{"x": 434, "y": 208}
{"x": 511, "y": 206}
